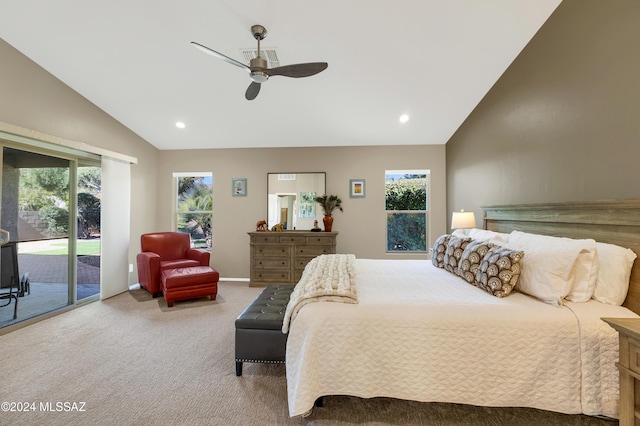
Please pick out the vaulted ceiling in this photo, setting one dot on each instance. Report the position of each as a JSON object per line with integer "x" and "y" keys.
{"x": 432, "y": 60}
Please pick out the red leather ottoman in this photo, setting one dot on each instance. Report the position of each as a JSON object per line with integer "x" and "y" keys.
{"x": 189, "y": 283}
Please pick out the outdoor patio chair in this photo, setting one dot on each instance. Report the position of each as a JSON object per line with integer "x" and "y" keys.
{"x": 9, "y": 285}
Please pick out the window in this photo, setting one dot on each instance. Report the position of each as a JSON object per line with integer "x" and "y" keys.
{"x": 406, "y": 195}
{"x": 194, "y": 207}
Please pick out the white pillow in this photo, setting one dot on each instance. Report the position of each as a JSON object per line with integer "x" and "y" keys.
{"x": 549, "y": 265}
{"x": 615, "y": 265}
{"x": 585, "y": 273}
{"x": 490, "y": 236}
{"x": 459, "y": 233}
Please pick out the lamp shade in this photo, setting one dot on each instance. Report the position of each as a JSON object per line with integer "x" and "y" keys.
{"x": 463, "y": 220}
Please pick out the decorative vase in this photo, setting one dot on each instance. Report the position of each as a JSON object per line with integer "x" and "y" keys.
{"x": 328, "y": 222}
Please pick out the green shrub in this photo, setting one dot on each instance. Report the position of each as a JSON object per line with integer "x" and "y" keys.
{"x": 57, "y": 218}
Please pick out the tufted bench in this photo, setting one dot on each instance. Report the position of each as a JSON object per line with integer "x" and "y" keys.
{"x": 259, "y": 336}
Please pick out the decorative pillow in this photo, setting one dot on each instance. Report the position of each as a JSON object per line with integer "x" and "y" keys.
{"x": 439, "y": 248}
{"x": 614, "y": 270}
{"x": 548, "y": 271}
{"x": 491, "y": 236}
{"x": 471, "y": 258}
{"x": 499, "y": 270}
{"x": 454, "y": 251}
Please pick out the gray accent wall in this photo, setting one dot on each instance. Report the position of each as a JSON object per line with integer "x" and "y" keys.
{"x": 563, "y": 122}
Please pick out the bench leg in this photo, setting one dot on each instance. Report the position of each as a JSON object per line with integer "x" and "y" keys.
{"x": 238, "y": 368}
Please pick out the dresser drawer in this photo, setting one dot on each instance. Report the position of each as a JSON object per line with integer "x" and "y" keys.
{"x": 313, "y": 251}
{"x": 268, "y": 262}
{"x": 320, "y": 240}
{"x": 301, "y": 261}
{"x": 292, "y": 239}
{"x": 265, "y": 239}
{"x": 634, "y": 355}
{"x": 272, "y": 251}
{"x": 283, "y": 276}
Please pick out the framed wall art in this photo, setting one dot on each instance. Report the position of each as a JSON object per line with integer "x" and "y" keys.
{"x": 239, "y": 187}
{"x": 356, "y": 188}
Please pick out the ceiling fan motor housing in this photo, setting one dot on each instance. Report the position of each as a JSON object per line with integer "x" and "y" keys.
{"x": 258, "y": 67}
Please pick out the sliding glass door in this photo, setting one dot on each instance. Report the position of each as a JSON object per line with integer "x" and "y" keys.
{"x": 51, "y": 208}
{"x": 88, "y": 232}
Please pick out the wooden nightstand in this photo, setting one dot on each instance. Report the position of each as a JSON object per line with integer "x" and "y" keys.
{"x": 629, "y": 367}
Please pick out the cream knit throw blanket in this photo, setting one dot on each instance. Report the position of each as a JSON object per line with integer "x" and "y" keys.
{"x": 328, "y": 277}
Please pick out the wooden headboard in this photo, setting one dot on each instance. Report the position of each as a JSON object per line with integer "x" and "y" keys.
{"x": 611, "y": 221}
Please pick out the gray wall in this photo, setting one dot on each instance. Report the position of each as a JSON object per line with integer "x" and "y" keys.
{"x": 361, "y": 226}
{"x": 562, "y": 123}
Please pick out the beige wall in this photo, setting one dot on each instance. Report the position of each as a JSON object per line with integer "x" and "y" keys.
{"x": 33, "y": 99}
{"x": 361, "y": 226}
{"x": 562, "y": 124}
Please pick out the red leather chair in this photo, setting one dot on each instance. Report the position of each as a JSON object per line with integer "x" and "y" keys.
{"x": 166, "y": 250}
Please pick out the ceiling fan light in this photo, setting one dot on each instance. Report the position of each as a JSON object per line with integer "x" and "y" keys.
{"x": 259, "y": 76}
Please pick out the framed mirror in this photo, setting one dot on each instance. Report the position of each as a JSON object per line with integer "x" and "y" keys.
{"x": 291, "y": 199}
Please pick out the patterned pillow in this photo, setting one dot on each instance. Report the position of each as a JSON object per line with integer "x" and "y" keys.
{"x": 471, "y": 258}
{"x": 439, "y": 247}
{"x": 454, "y": 252}
{"x": 499, "y": 270}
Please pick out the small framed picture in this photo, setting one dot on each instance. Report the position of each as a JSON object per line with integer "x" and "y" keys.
{"x": 239, "y": 187}
{"x": 356, "y": 188}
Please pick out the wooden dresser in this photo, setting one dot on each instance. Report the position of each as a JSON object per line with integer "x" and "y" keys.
{"x": 629, "y": 367}
{"x": 280, "y": 257}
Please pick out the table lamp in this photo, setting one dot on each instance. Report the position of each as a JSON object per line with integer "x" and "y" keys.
{"x": 463, "y": 220}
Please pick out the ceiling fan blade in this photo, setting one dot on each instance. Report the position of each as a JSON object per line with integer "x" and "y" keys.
{"x": 298, "y": 70}
{"x": 252, "y": 91}
{"x": 221, "y": 56}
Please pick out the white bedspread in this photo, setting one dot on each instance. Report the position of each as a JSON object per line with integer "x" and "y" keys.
{"x": 421, "y": 333}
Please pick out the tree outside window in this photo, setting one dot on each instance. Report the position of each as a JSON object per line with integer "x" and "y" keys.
{"x": 46, "y": 190}
{"x": 406, "y": 198}
{"x": 194, "y": 208}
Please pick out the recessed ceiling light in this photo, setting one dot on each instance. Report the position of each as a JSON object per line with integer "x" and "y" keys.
{"x": 180, "y": 125}
{"x": 404, "y": 118}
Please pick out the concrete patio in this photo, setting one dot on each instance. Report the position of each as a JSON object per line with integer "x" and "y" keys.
{"x": 48, "y": 276}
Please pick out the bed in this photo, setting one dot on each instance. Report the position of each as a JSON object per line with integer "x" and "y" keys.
{"x": 420, "y": 332}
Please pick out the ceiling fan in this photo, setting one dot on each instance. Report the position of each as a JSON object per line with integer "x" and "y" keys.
{"x": 258, "y": 70}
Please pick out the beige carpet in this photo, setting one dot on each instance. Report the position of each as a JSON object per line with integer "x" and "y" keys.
{"x": 130, "y": 360}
